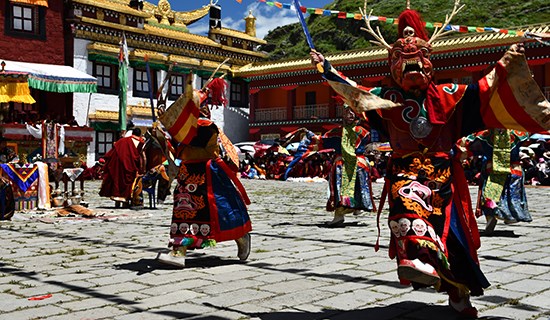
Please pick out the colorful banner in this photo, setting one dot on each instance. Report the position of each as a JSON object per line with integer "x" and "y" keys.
{"x": 358, "y": 16}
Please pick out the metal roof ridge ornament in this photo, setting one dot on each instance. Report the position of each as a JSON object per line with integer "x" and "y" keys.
{"x": 176, "y": 18}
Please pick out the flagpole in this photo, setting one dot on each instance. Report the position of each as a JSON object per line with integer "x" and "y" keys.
{"x": 150, "y": 84}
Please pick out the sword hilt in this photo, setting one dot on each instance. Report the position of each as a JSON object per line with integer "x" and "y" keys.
{"x": 319, "y": 65}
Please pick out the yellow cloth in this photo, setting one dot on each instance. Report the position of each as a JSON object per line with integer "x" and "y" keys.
{"x": 15, "y": 92}
{"x": 43, "y": 3}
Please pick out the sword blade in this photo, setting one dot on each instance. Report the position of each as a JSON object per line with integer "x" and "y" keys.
{"x": 303, "y": 23}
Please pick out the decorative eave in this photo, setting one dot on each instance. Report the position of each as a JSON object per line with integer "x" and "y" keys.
{"x": 213, "y": 65}
{"x": 247, "y": 52}
{"x": 132, "y": 110}
{"x": 172, "y": 58}
{"x": 141, "y": 54}
{"x": 236, "y": 34}
{"x": 114, "y": 6}
{"x": 163, "y": 40}
{"x": 172, "y": 34}
{"x": 103, "y": 48}
{"x": 445, "y": 48}
{"x": 112, "y": 25}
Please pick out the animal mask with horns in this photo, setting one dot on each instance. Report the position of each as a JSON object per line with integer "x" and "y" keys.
{"x": 409, "y": 56}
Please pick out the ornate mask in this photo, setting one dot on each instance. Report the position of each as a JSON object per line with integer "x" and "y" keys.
{"x": 410, "y": 62}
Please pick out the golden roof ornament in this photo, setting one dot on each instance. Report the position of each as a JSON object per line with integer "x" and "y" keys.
{"x": 250, "y": 28}
{"x": 165, "y": 10}
{"x": 170, "y": 17}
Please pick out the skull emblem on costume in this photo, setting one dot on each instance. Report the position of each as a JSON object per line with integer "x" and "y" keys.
{"x": 404, "y": 226}
{"x": 194, "y": 229}
{"x": 184, "y": 228}
{"x": 419, "y": 227}
{"x": 173, "y": 228}
{"x": 394, "y": 226}
{"x": 205, "y": 229}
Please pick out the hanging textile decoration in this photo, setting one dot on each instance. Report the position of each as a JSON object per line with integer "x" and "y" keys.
{"x": 14, "y": 87}
{"x": 43, "y": 3}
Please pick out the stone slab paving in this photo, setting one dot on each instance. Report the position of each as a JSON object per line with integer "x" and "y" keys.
{"x": 104, "y": 268}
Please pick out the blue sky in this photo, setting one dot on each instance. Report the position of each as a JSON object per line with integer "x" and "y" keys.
{"x": 233, "y": 13}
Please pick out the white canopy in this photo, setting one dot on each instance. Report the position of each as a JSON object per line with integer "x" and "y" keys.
{"x": 54, "y": 78}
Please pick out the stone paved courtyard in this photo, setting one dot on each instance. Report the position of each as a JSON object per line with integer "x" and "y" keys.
{"x": 104, "y": 267}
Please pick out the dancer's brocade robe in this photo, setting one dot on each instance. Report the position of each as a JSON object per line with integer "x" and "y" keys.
{"x": 209, "y": 200}
{"x": 501, "y": 190}
{"x": 430, "y": 207}
{"x": 349, "y": 179}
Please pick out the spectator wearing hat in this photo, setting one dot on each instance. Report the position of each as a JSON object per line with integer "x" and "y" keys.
{"x": 6, "y": 154}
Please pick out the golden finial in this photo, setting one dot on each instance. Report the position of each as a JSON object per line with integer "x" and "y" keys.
{"x": 408, "y": 4}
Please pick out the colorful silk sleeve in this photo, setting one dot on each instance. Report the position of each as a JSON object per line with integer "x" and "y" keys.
{"x": 510, "y": 97}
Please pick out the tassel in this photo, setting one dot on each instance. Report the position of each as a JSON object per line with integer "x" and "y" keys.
{"x": 186, "y": 242}
{"x": 208, "y": 243}
{"x": 217, "y": 88}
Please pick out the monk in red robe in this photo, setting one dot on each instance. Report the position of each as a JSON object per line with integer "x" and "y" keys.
{"x": 123, "y": 169}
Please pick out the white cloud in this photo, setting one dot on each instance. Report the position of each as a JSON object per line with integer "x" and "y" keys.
{"x": 199, "y": 27}
{"x": 267, "y": 19}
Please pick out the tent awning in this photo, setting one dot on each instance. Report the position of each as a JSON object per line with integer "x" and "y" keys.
{"x": 54, "y": 78}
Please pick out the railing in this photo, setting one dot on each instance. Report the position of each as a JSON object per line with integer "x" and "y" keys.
{"x": 311, "y": 111}
{"x": 270, "y": 114}
{"x": 339, "y": 111}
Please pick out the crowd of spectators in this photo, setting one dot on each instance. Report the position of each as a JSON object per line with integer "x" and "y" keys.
{"x": 273, "y": 163}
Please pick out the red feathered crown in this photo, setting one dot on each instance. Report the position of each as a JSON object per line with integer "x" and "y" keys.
{"x": 411, "y": 18}
{"x": 217, "y": 88}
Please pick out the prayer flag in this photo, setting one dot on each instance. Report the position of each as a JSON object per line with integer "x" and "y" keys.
{"x": 122, "y": 82}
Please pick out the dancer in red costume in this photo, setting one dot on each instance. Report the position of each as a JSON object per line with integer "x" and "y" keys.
{"x": 209, "y": 200}
{"x": 434, "y": 233}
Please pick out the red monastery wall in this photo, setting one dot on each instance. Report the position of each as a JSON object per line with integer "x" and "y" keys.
{"x": 28, "y": 49}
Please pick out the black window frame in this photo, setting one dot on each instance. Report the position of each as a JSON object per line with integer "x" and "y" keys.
{"x": 38, "y": 21}
{"x": 174, "y": 84}
{"x": 141, "y": 93}
{"x": 236, "y": 93}
{"x": 104, "y": 142}
{"x": 114, "y": 87}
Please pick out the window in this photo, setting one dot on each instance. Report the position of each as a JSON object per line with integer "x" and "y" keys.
{"x": 107, "y": 77}
{"x": 104, "y": 142}
{"x": 177, "y": 85}
{"x": 236, "y": 92}
{"x": 141, "y": 84}
{"x": 311, "y": 98}
{"x": 25, "y": 20}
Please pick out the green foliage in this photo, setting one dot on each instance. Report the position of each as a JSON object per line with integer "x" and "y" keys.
{"x": 331, "y": 34}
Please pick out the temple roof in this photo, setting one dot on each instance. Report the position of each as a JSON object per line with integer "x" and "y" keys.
{"x": 237, "y": 34}
{"x": 445, "y": 45}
